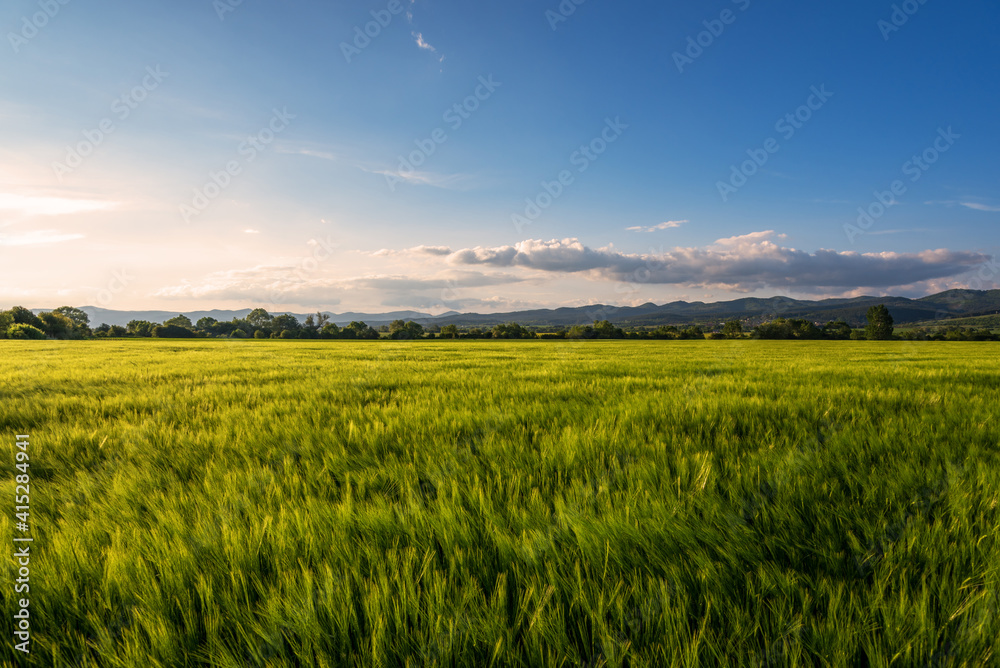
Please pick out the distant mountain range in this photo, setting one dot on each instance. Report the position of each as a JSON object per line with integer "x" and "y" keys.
{"x": 950, "y": 304}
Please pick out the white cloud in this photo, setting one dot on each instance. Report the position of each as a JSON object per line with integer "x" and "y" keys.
{"x": 422, "y": 43}
{"x": 975, "y": 206}
{"x": 743, "y": 264}
{"x": 50, "y": 206}
{"x": 310, "y": 152}
{"x": 980, "y": 207}
{"x": 417, "y": 250}
{"x": 432, "y": 179}
{"x": 669, "y": 225}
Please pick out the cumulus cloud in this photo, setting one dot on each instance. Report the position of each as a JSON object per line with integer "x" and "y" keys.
{"x": 669, "y": 225}
{"x": 742, "y": 263}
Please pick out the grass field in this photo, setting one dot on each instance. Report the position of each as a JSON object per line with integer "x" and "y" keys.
{"x": 705, "y": 503}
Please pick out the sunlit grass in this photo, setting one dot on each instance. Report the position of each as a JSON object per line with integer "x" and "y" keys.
{"x": 516, "y": 504}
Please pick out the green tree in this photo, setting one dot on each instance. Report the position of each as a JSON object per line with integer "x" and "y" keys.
{"x": 142, "y": 328}
{"x": 512, "y": 330}
{"x": 206, "y": 324}
{"x": 329, "y": 331}
{"x": 605, "y": 330}
{"x": 259, "y": 319}
{"x": 880, "y": 324}
{"x": 449, "y": 332}
{"x": 405, "y": 330}
{"x": 80, "y": 320}
{"x": 839, "y": 330}
{"x": 56, "y": 325}
{"x": 804, "y": 329}
{"x": 581, "y": 332}
{"x": 23, "y": 316}
{"x": 358, "y": 330}
{"x": 695, "y": 332}
{"x": 665, "y": 332}
{"x": 179, "y": 321}
{"x": 733, "y": 330}
{"x": 285, "y": 321}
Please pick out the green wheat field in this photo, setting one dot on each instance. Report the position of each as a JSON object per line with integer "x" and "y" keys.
{"x": 600, "y": 503}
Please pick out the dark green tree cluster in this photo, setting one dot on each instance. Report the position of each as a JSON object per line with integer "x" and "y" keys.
{"x": 953, "y": 333}
{"x": 258, "y": 324}
{"x": 601, "y": 329}
{"x": 670, "y": 333}
{"x": 879, "y": 328}
{"x": 65, "y": 322}
{"x": 401, "y": 330}
{"x": 797, "y": 328}
{"x": 510, "y": 330}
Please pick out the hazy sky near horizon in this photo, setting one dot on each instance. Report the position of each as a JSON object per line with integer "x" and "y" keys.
{"x": 443, "y": 155}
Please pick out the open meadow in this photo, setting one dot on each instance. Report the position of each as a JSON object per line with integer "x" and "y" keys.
{"x": 476, "y": 503}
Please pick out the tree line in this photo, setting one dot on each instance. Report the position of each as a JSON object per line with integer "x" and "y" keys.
{"x": 67, "y": 322}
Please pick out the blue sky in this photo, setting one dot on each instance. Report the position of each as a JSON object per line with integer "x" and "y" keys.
{"x": 262, "y": 153}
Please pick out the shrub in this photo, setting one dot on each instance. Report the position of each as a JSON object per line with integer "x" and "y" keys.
{"x": 23, "y": 331}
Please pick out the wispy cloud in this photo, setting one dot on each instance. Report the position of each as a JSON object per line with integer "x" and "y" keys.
{"x": 432, "y": 179}
{"x": 50, "y": 206}
{"x": 286, "y": 284}
{"x": 36, "y": 238}
{"x": 975, "y": 206}
{"x": 669, "y": 225}
{"x": 425, "y": 45}
{"x": 980, "y": 207}
{"x": 417, "y": 250}
{"x": 900, "y": 231}
{"x": 310, "y": 152}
